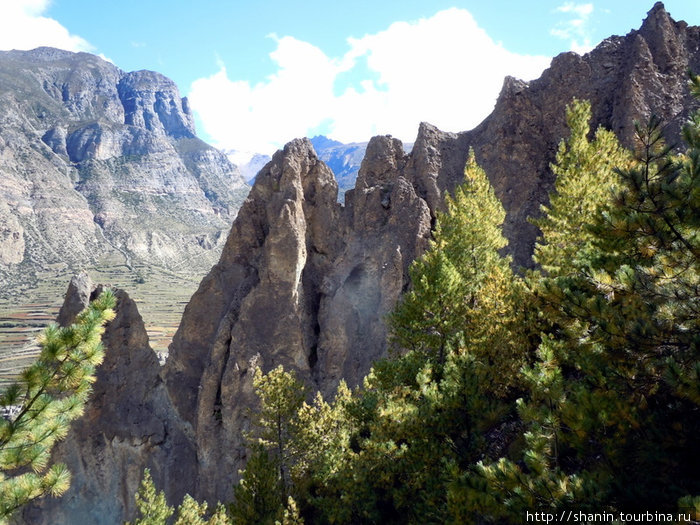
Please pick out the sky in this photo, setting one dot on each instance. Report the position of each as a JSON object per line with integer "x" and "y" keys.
{"x": 258, "y": 74}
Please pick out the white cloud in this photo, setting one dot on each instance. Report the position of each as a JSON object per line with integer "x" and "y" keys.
{"x": 444, "y": 69}
{"x": 576, "y": 29}
{"x": 583, "y": 10}
{"x": 106, "y": 58}
{"x": 22, "y": 26}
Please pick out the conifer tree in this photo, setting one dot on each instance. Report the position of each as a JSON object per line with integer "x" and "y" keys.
{"x": 190, "y": 512}
{"x": 462, "y": 288}
{"x": 153, "y": 508}
{"x": 281, "y": 396}
{"x": 423, "y": 413}
{"x": 50, "y": 394}
{"x": 266, "y": 482}
{"x": 612, "y": 408}
{"x": 291, "y": 514}
{"x": 151, "y": 504}
{"x": 586, "y": 178}
{"x": 257, "y": 496}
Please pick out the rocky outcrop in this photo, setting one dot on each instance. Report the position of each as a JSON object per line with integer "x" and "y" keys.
{"x": 152, "y": 101}
{"x": 128, "y": 425}
{"x": 95, "y": 162}
{"x": 626, "y": 79}
{"x": 387, "y": 225}
{"x": 305, "y": 282}
{"x": 76, "y": 299}
{"x": 302, "y": 282}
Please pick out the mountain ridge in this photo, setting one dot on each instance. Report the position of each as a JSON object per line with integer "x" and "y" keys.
{"x": 305, "y": 282}
{"x": 110, "y": 155}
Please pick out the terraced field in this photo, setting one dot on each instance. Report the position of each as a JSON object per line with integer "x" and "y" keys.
{"x": 160, "y": 294}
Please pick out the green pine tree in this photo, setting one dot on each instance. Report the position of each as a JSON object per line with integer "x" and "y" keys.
{"x": 153, "y": 509}
{"x": 257, "y": 498}
{"x": 50, "y": 394}
{"x": 424, "y": 413}
{"x": 267, "y": 481}
{"x": 151, "y": 504}
{"x": 611, "y": 411}
{"x": 291, "y": 514}
{"x": 281, "y": 396}
{"x": 463, "y": 292}
{"x": 586, "y": 178}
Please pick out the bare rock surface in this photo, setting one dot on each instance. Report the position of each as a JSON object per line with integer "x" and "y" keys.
{"x": 128, "y": 425}
{"x": 76, "y": 299}
{"x": 97, "y": 161}
{"x": 305, "y": 282}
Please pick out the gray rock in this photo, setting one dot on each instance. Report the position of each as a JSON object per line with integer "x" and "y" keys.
{"x": 128, "y": 425}
{"x": 626, "y": 79}
{"x": 306, "y": 283}
{"x": 76, "y": 299}
{"x": 96, "y": 161}
{"x": 344, "y": 159}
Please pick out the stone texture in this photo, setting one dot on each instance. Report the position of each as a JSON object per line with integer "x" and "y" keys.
{"x": 76, "y": 299}
{"x": 95, "y": 161}
{"x": 386, "y": 226}
{"x": 259, "y": 300}
{"x": 128, "y": 425}
{"x": 306, "y": 283}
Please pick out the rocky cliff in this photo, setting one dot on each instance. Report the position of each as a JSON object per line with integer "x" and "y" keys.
{"x": 343, "y": 159}
{"x": 94, "y": 160}
{"x": 305, "y": 282}
{"x": 129, "y": 424}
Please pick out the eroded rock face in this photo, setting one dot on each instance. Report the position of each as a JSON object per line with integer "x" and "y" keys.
{"x": 153, "y": 102}
{"x": 626, "y": 79}
{"x": 95, "y": 161}
{"x": 128, "y": 425}
{"x": 387, "y": 225}
{"x": 302, "y": 282}
{"x": 306, "y": 283}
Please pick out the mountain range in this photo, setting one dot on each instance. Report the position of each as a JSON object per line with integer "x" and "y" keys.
{"x": 343, "y": 158}
{"x": 95, "y": 161}
{"x": 306, "y": 282}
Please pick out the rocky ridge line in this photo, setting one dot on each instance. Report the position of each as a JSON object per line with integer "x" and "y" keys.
{"x": 96, "y": 161}
{"x": 305, "y": 282}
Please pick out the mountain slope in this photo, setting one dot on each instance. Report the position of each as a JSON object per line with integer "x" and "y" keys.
{"x": 306, "y": 282}
{"x": 96, "y": 161}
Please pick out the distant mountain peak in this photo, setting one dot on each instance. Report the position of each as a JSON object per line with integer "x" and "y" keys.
{"x": 322, "y": 142}
{"x": 110, "y": 163}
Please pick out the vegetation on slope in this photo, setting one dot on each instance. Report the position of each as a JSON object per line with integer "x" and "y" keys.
{"x": 573, "y": 388}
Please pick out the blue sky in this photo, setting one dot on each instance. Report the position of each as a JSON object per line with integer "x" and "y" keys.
{"x": 260, "y": 73}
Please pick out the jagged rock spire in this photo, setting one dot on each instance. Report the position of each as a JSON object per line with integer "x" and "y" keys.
{"x": 305, "y": 283}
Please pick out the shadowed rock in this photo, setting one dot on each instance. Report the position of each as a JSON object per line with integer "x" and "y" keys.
{"x": 76, "y": 299}
{"x": 128, "y": 425}
{"x": 306, "y": 283}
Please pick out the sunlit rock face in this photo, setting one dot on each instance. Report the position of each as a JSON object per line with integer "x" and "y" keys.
{"x": 305, "y": 282}
{"x": 94, "y": 160}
